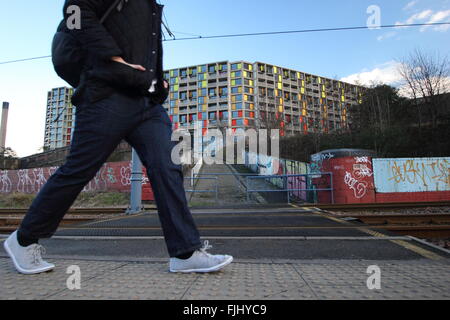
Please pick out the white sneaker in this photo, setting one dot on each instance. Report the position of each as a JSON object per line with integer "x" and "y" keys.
{"x": 201, "y": 262}
{"x": 27, "y": 260}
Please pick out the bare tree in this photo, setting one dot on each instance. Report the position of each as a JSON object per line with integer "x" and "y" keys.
{"x": 427, "y": 78}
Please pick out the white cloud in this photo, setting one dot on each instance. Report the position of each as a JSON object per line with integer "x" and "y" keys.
{"x": 429, "y": 16}
{"x": 410, "y": 5}
{"x": 387, "y": 35}
{"x": 418, "y": 17}
{"x": 386, "y": 73}
{"x": 440, "y": 16}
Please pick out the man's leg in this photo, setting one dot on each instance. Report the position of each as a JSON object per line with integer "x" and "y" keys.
{"x": 99, "y": 129}
{"x": 152, "y": 141}
{"x": 97, "y": 133}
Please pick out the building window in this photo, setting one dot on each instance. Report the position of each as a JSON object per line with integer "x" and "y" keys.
{"x": 223, "y": 67}
{"x": 212, "y": 69}
{"x": 236, "y": 66}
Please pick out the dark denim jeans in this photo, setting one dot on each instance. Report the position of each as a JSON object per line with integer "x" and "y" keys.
{"x": 99, "y": 128}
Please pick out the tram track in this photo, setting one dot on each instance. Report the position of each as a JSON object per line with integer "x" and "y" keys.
{"x": 418, "y": 225}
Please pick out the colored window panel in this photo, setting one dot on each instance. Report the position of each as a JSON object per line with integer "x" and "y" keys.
{"x": 236, "y": 74}
{"x": 225, "y": 115}
{"x": 236, "y": 66}
{"x": 235, "y": 90}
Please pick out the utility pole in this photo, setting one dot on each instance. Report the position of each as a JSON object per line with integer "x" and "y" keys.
{"x": 136, "y": 185}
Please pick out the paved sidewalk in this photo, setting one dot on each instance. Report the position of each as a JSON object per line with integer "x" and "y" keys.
{"x": 242, "y": 280}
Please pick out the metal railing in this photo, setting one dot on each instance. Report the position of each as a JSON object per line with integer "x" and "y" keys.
{"x": 215, "y": 190}
{"x": 244, "y": 180}
{"x": 286, "y": 182}
{"x": 236, "y": 175}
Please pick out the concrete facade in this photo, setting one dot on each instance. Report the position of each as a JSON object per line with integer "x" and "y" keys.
{"x": 60, "y": 118}
{"x": 244, "y": 95}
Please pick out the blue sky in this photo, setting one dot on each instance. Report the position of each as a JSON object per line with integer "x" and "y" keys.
{"x": 27, "y": 27}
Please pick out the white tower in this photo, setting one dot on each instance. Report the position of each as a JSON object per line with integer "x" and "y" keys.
{"x": 3, "y": 126}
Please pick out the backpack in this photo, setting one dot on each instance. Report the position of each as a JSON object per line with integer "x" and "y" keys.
{"x": 68, "y": 56}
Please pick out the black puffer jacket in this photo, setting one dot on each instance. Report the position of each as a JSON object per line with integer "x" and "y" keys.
{"x": 134, "y": 33}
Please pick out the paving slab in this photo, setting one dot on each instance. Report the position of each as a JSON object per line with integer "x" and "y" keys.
{"x": 271, "y": 249}
{"x": 119, "y": 280}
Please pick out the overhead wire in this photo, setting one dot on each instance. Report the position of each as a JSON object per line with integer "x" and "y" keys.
{"x": 236, "y": 35}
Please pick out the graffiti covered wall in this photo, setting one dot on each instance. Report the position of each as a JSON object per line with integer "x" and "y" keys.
{"x": 412, "y": 175}
{"x": 267, "y": 166}
{"x": 115, "y": 176}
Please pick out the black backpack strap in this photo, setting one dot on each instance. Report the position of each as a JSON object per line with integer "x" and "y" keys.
{"x": 110, "y": 9}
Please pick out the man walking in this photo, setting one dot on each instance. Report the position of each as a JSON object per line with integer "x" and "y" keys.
{"x": 120, "y": 97}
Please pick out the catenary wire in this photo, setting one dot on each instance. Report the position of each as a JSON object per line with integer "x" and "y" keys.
{"x": 199, "y": 37}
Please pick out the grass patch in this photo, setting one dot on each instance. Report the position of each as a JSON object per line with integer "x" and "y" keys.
{"x": 102, "y": 199}
{"x": 16, "y": 200}
{"x": 84, "y": 200}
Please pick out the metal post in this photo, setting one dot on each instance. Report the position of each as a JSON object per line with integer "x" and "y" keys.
{"x": 246, "y": 188}
{"x": 287, "y": 188}
{"x": 217, "y": 190}
{"x": 136, "y": 185}
{"x": 332, "y": 188}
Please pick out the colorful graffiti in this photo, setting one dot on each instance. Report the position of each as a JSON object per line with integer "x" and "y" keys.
{"x": 412, "y": 175}
{"x": 111, "y": 177}
{"x": 266, "y": 165}
{"x": 317, "y": 161}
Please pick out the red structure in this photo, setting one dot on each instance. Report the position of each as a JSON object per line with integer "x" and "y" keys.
{"x": 353, "y": 179}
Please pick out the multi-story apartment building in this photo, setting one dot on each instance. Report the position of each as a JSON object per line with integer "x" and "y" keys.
{"x": 60, "y": 118}
{"x": 234, "y": 95}
{"x": 258, "y": 95}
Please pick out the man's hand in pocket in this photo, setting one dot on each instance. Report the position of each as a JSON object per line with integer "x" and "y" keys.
{"x": 134, "y": 66}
